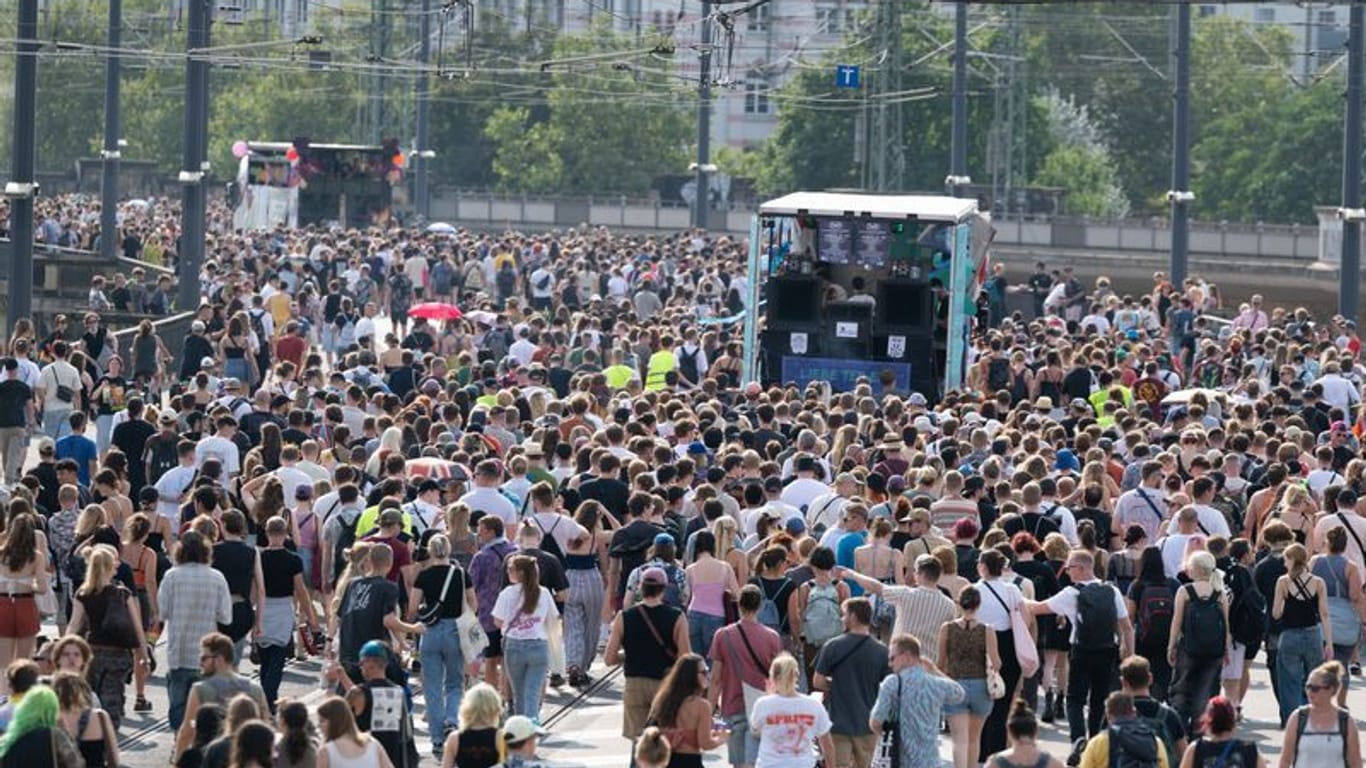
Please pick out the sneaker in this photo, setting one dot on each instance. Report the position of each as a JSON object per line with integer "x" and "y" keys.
{"x": 1078, "y": 747}
{"x": 1047, "y": 715}
{"x": 142, "y": 705}
{"x": 1355, "y": 669}
{"x": 557, "y": 681}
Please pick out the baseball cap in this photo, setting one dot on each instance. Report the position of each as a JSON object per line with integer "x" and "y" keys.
{"x": 796, "y": 526}
{"x": 428, "y": 484}
{"x": 46, "y": 445}
{"x": 848, "y": 477}
{"x": 374, "y": 650}
{"x": 519, "y": 728}
{"x": 303, "y": 492}
{"x": 917, "y": 399}
{"x": 663, "y": 539}
{"x": 208, "y": 362}
{"x": 166, "y": 417}
{"x": 654, "y": 575}
{"x": 390, "y": 517}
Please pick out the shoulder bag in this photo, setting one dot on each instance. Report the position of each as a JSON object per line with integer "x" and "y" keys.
{"x": 1026, "y": 653}
{"x": 750, "y": 692}
{"x": 430, "y": 615}
{"x": 473, "y": 638}
{"x": 887, "y": 754}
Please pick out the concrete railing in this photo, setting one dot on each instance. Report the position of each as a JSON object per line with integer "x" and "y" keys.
{"x": 486, "y": 210}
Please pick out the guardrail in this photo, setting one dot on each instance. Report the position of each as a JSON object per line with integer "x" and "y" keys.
{"x": 1298, "y": 242}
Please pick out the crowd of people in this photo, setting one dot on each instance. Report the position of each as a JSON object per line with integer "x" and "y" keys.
{"x": 1130, "y": 500}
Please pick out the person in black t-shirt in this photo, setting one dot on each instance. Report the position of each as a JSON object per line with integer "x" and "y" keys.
{"x": 369, "y": 610}
{"x": 131, "y": 437}
{"x": 16, "y": 414}
{"x": 160, "y": 451}
{"x": 282, "y": 575}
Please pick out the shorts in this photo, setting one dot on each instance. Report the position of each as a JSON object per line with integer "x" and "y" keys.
{"x": 18, "y": 616}
{"x": 637, "y": 695}
{"x": 494, "y": 650}
{"x": 741, "y": 748}
{"x": 856, "y": 751}
{"x": 976, "y": 703}
{"x": 1237, "y": 658}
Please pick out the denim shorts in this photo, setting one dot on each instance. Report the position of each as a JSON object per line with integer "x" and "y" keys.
{"x": 976, "y": 703}
{"x": 743, "y": 748}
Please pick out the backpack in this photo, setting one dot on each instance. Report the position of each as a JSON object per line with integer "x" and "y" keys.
{"x": 821, "y": 619}
{"x": 1158, "y": 723}
{"x": 1302, "y": 723}
{"x": 998, "y": 374}
{"x": 442, "y": 276}
{"x": 1203, "y": 626}
{"x": 1096, "y": 617}
{"x": 1156, "y": 606}
{"x": 687, "y": 364}
{"x": 548, "y": 543}
{"x": 1132, "y": 745}
{"x": 1247, "y": 612}
{"x": 545, "y": 281}
{"x": 345, "y": 539}
{"x": 258, "y": 326}
{"x": 768, "y": 610}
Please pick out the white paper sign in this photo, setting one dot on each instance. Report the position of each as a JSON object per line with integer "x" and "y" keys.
{"x": 846, "y": 330}
{"x": 798, "y": 342}
{"x": 896, "y": 346}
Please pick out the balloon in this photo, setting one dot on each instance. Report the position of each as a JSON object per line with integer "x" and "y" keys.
{"x": 239, "y": 149}
{"x": 399, "y": 160}
{"x": 291, "y": 154}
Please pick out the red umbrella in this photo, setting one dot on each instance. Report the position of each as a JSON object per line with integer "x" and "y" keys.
{"x": 435, "y": 310}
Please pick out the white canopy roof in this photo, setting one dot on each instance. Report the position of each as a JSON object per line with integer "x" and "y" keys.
{"x": 922, "y": 207}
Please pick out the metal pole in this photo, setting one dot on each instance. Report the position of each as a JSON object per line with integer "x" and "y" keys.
{"x": 421, "y": 193}
{"x": 25, "y": 139}
{"x": 109, "y": 179}
{"x": 192, "y": 215}
{"x": 958, "y": 155}
{"x": 1181, "y": 161}
{"x": 1349, "y": 290}
{"x": 703, "y": 196}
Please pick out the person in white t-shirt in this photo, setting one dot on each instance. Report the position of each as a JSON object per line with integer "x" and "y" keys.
{"x": 220, "y": 446}
{"x": 174, "y": 483}
{"x": 789, "y": 723}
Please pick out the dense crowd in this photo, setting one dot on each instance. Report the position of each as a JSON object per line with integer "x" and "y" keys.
{"x": 1131, "y": 499}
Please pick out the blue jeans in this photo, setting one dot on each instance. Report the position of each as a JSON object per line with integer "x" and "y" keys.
{"x": 701, "y": 629}
{"x": 178, "y": 684}
{"x": 1299, "y": 651}
{"x": 527, "y": 663}
{"x": 56, "y": 423}
{"x": 443, "y": 678}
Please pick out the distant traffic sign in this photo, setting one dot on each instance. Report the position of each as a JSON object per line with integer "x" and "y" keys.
{"x": 846, "y": 76}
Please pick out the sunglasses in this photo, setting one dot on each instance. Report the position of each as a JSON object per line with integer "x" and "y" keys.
{"x": 1312, "y": 688}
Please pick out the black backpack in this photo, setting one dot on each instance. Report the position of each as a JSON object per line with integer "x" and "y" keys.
{"x": 1096, "y": 617}
{"x": 1203, "y": 626}
{"x": 687, "y": 364}
{"x": 998, "y": 374}
{"x": 1132, "y": 745}
{"x": 548, "y": 543}
{"x": 345, "y": 539}
{"x": 1247, "y": 611}
{"x": 1156, "y": 606}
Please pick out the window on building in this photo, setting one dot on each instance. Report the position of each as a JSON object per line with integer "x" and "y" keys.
{"x": 756, "y": 20}
{"x": 828, "y": 20}
{"x": 1208, "y": 10}
{"x": 1264, "y": 15}
{"x": 756, "y": 98}
{"x": 1329, "y": 17}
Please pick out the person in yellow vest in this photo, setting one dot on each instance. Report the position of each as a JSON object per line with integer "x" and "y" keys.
{"x": 1110, "y": 389}
{"x": 662, "y": 363}
{"x": 618, "y": 374}
{"x": 490, "y": 396}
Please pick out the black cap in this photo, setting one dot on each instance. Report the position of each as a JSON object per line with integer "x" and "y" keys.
{"x": 428, "y": 484}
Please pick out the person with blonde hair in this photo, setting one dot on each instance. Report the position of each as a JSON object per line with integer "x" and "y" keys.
{"x": 1300, "y": 604}
{"x": 112, "y": 622}
{"x": 475, "y": 744}
{"x": 344, "y": 746}
{"x": 775, "y": 718}
{"x": 1323, "y": 732}
{"x": 1200, "y": 640}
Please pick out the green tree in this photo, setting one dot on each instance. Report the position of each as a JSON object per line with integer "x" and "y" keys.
{"x": 526, "y": 158}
